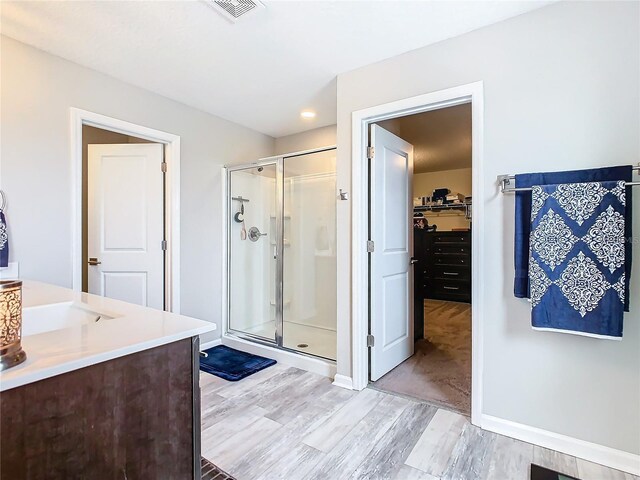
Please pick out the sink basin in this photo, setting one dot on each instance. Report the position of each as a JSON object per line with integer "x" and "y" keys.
{"x": 57, "y": 316}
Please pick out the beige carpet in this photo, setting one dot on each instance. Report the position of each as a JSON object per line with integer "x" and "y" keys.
{"x": 440, "y": 370}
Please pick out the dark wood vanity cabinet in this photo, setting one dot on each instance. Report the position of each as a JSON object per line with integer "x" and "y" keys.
{"x": 443, "y": 271}
{"x": 133, "y": 417}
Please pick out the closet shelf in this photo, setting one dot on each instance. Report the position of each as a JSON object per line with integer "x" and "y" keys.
{"x": 463, "y": 208}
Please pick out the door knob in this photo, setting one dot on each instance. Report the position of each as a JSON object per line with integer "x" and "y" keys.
{"x": 413, "y": 261}
{"x": 94, "y": 261}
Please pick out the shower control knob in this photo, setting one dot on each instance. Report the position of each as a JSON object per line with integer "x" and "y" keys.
{"x": 254, "y": 234}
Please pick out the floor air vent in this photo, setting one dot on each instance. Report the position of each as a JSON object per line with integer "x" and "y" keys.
{"x": 234, "y": 10}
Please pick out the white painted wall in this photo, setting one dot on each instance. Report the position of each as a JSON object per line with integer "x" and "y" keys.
{"x": 458, "y": 181}
{"x": 37, "y": 91}
{"x": 315, "y": 138}
{"x": 561, "y": 91}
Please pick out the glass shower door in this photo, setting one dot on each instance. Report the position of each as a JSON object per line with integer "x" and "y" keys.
{"x": 309, "y": 252}
{"x": 252, "y": 230}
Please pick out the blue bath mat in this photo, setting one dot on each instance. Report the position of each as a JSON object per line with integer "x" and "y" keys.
{"x": 231, "y": 364}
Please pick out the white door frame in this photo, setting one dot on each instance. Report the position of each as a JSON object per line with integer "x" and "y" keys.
{"x": 171, "y": 142}
{"x": 471, "y": 93}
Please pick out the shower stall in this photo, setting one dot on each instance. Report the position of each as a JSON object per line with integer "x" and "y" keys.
{"x": 281, "y": 228}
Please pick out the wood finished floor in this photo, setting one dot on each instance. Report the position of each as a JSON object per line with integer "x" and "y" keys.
{"x": 439, "y": 372}
{"x": 285, "y": 423}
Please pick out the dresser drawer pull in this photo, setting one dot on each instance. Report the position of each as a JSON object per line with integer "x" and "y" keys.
{"x": 450, "y": 273}
{"x": 451, "y": 288}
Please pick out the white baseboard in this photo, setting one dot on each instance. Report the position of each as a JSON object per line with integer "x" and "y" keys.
{"x": 592, "y": 452}
{"x": 212, "y": 343}
{"x": 343, "y": 381}
{"x": 310, "y": 364}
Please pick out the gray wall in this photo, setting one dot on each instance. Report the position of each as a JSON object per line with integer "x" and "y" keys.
{"x": 37, "y": 91}
{"x": 316, "y": 138}
{"x": 561, "y": 92}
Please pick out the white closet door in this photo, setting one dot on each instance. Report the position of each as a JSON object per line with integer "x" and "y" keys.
{"x": 391, "y": 270}
{"x": 126, "y": 223}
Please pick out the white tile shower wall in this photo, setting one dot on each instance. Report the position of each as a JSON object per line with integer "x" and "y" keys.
{"x": 310, "y": 261}
{"x": 252, "y": 265}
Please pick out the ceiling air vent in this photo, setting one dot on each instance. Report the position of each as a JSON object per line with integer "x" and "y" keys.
{"x": 234, "y": 10}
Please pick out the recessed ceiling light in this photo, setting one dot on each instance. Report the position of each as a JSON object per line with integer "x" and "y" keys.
{"x": 308, "y": 114}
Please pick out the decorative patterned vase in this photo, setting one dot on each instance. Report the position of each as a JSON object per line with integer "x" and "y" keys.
{"x": 11, "y": 353}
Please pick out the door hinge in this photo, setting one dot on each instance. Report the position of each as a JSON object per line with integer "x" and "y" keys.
{"x": 163, "y": 244}
{"x": 370, "y": 340}
{"x": 163, "y": 167}
{"x": 371, "y": 151}
{"x": 370, "y": 246}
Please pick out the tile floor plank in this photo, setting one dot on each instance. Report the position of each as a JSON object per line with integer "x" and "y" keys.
{"x": 265, "y": 455}
{"x": 303, "y": 399}
{"x": 555, "y": 461}
{"x": 327, "y": 435}
{"x": 235, "y": 403}
{"x": 241, "y": 387}
{"x": 231, "y": 424}
{"x": 390, "y": 453}
{"x": 470, "y": 458}
{"x": 297, "y": 464}
{"x": 434, "y": 448}
{"x": 409, "y": 473}
{"x": 593, "y": 471}
{"x": 355, "y": 447}
{"x": 242, "y": 435}
{"x": 510, "y": 459}
{"x": 289, "y": 395}
{"x": 225, "y": 453}
{"x": 318, "y": 410}
{"x": 211, "y": 382}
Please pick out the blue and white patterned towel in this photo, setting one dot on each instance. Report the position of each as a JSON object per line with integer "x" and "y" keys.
{"x": 576, "y": 267}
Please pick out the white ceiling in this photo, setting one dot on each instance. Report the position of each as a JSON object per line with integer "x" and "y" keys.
{"x": 441, "y": 138}
{"x": 260, "y": 72}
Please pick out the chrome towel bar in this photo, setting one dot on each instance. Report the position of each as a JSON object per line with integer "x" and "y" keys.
{"x": 505, "y": 180}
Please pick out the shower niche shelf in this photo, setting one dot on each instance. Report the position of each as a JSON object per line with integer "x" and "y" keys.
{"x": 287, "y": 243}
{"x": 272, "y": 222}
{"x": 286, "y": 303}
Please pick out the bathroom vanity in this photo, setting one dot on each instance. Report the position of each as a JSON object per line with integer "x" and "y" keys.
{"x": 109, "y": 390}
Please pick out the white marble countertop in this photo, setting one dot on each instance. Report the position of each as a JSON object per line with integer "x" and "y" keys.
{"x": 132, "y": 329}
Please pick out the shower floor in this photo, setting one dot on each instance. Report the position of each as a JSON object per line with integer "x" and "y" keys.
{"x": 319, "y": 341}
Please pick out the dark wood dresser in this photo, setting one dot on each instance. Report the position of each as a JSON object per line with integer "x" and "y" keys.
{"x": 444, "y": 264}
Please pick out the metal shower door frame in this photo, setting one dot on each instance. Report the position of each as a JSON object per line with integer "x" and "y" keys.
{"x": 278, "y": 161}
{"x": 279, "y": 244}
